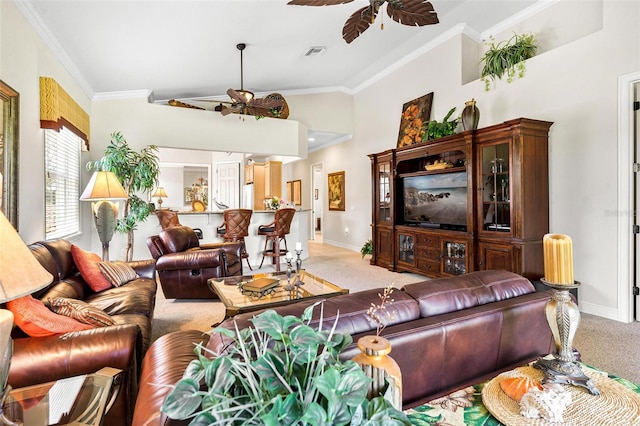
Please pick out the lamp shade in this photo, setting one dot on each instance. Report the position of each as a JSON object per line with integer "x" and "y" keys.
{"x": 104, "y": 186}
{"x": 20, "y": 272}
{"x": 160, "y": 192}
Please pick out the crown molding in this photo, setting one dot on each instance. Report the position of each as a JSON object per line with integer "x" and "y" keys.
{"x": 527, "y": 13}
{"x": 33, "y": 18}
{"x": 126, "y": 94}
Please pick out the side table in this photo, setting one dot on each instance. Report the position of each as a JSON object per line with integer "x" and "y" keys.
{"x": 80, "y": 400}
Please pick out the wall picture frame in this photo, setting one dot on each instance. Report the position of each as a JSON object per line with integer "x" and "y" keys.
{"x": 9, "y": 143}
{"x": 297, "y": 192}
{"x": 415, "y": 114}
{"x": 336, "y": 184}
{"x": 290, "y": 190}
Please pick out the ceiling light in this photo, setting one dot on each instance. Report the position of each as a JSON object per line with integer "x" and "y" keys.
{"x": 311, "y": 139}
{"x": 315, "y": 51}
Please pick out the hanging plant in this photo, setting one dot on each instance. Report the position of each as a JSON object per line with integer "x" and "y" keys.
{"x": 507, "y": 57}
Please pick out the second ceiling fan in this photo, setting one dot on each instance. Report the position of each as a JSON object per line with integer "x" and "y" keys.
{"x": 245, "y": 102}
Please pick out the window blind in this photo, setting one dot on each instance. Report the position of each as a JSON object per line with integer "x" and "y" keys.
{"x": 62, "y": 183}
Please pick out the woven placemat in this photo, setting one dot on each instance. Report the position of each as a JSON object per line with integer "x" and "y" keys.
{"x": 616, "y": 404}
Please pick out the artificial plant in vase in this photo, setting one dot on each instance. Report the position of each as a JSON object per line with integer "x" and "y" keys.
{"x": 435, "y": 130}
{"x": 137, "y": 172}
{"x": 367, "y": 248}
{"x": 279, "y": 371}
{"x": 507, "y": 57}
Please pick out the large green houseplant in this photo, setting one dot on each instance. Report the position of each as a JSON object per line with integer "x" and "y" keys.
{"x": 137, "y": 172}
{"x": 280, "y": 371}
{"x": 507, "y": 57}
{"x": 434, "y": 129}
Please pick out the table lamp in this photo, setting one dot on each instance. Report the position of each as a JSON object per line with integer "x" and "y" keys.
{"x": 20, "y": 274}
{"x": 160, "y": 192}
{"x": 103, "y": 189}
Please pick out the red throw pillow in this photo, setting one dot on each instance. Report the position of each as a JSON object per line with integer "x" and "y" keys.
{"x": 35, "y": 319}
{"x": 87, "y": 264}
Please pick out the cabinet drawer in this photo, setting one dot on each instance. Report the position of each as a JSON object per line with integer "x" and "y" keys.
{"x": 428, "y": 240}
{"x": 428, "y": 253}
{"x": 429, "y": 266}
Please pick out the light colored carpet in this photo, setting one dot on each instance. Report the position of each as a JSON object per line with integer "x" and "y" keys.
{"x": 609, "y": 345}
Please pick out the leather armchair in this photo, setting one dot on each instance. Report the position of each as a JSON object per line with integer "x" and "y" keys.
{"x": 184, "y": 265}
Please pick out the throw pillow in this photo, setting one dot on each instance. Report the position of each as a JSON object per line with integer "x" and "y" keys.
{"x": 118, "y": 273}
{"x": 87, "y": 264}
{"x": 35, "y": 319}
{"x": 81, "y": 311}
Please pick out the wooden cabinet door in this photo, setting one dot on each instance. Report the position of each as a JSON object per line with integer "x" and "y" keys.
{"x": 248, "y": 174}
{"x": 496, "y": 256}
{"x": 384, "y": 247}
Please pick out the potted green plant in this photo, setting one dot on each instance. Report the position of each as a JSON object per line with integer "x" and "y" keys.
{"x": 367, "y": 248}
{"x": 435, "y": 130}
{"x": 137, "y": 172}
{"x": 278, "y": 371}
{"x": 507, "y": 57}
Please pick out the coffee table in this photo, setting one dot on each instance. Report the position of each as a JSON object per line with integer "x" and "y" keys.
{"x": 229, "y": 290}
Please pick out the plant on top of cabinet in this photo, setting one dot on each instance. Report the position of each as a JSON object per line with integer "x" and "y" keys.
{"x": 508, "y": 57}
{"x": 435, "y": 130}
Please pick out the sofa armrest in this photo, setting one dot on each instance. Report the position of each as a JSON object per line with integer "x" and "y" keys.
{"x": 193, "y": 259}
{"x": 145, "y": 268}
{"x": 43, "y": 359}
{"x": 233, "y": 258}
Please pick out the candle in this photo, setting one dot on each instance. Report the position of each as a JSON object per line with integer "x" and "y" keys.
{"x": 298, "y": 246}
{"x": 558, "y": 259}
{"x": 289, "y": 256}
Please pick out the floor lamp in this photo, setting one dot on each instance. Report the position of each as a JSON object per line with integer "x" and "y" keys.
{"x": 103, "y": 189}
{"x": 20, "y": 274}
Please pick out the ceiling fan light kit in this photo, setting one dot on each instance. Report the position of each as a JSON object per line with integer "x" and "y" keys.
{"x": 406, "y": 12}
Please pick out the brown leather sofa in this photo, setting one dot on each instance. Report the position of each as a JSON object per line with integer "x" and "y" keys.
{"x": 446, "y": 334}
{"x": 184, "y": 265}
{"x": 41, "y": 359}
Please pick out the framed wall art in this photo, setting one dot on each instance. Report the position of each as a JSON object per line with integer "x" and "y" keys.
{"x": 336, "y": 191}
{"x": 289, "y": 190}
{"x": 297, "y": 192}
{"x": 415, "y": 114}
{"x": 9, "y": 153}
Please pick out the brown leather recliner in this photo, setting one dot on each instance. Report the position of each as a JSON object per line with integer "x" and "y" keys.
{"x": 184, "y": 265}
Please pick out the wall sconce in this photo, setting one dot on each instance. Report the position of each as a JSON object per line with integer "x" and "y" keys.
{"x": 160, "y": 192}
{"x": 103, "y": 189}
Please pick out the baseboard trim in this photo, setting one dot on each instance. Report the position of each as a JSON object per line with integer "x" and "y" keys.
{"x": 338, "y": 244}
{"x": 601, "y": 311}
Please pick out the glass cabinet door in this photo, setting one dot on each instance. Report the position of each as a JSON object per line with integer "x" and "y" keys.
{"x": 496, "y": 195}
{"x": 454, "y": 257}
{"x": 405, "y": 248}
{"x": 384, "y": 192}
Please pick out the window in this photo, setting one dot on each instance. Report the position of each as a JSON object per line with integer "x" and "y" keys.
{"x": 62, "y": 183}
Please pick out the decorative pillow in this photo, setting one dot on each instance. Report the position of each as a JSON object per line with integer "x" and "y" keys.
{"x": 81, "y": 311}
{"x": 35, "y": 319}
{"x": 87, "y": 264}
{"x": 118, "y": 273}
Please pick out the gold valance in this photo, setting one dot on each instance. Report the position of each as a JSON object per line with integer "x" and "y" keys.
{"x": 58, "y": 109}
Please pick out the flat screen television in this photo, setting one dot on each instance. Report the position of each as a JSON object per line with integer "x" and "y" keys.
{"x": 436, "y": 201}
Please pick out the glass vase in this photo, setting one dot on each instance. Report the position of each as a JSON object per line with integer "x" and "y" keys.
{"x": 385, "y": 373}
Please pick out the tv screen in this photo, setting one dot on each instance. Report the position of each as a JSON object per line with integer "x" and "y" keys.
{"x": 438, "y": 200}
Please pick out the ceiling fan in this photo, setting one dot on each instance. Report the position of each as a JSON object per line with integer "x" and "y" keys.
{"x": 406, "y": 12}
{"x": 243, "y": 101}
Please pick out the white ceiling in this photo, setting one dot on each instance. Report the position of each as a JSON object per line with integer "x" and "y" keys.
{"x": 184, "y": 49}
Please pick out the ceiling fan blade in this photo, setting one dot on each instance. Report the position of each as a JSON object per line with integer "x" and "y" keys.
{"x": 230, "y": 110}
{"x": 412, "y": 12}
{"x": 237, "y": 97}
{"x": 177, "y": 103}
{"x": 266, "y": 103}
{"x": 318, "y": 2}
{"x": 357, "y": 23}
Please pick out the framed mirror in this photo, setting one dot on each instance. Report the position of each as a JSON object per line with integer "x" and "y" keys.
{"x": 9, "y": 137}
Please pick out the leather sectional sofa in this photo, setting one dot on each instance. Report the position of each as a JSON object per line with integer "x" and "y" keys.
{"x": 446, "y": 334}
{"x": 184, "y": 265}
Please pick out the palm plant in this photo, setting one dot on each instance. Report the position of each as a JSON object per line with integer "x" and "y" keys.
{"x": 137, "y": 172}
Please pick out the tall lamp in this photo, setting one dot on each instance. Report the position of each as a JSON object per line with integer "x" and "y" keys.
{"x": 160, "y": 192}
{"x": 20, "y": 274}
{"x": 103, "y": 189}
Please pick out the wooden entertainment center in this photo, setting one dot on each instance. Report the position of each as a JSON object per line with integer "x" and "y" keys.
{"x": 471, "y": 201}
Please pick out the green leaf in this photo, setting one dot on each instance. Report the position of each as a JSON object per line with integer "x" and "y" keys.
{"x": 315, "y": 415}
{"x": 183, "y": 400}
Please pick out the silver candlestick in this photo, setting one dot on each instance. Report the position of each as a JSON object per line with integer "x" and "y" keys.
{"x": 289, "y": 259}
{"x": 563, "y": 317}
{"x": 298, "y": 268}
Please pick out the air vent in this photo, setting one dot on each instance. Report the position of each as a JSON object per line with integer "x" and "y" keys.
{"x": 315, "y": 51}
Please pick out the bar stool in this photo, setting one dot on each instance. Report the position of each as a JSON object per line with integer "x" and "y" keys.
{"x": 167, "y": 218}
{"x": 235, "y": 226}
{"x": 276, "y": 232}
